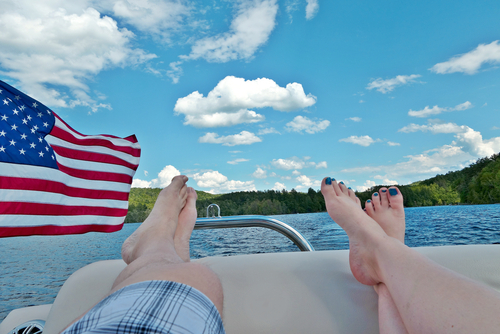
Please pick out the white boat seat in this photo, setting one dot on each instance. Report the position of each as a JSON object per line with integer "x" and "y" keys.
{"x": 301, "y": 292}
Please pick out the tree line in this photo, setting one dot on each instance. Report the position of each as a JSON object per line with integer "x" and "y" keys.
{"x": 478, "y": 183}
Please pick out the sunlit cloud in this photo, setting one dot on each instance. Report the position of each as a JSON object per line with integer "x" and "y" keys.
{"x": 219, "y": 183}
{"x": 229, "y": 102}
{"x": 279, "y": 186}
{"x": 388, "y": 85}
{"x": 472, "y": 61}
{"x": 296, "y": 163}
{"x": 437, "y": 110}
{"x": 260, "y": 173}
{"x": 52, "y": 52}
{"x": 164, "y": 178}
{"x": 242, "y": 138}
{"x": 312, "y": 8}
{"x": 354, "y": 119}
{"x": 249, "y": 30}
{"x": 237, "y": 161}
{"x": 302, "y": 123}
{"x": 359, "y": 140}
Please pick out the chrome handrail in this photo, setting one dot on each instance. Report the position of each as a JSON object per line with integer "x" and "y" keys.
{"x": 254, "y": 221}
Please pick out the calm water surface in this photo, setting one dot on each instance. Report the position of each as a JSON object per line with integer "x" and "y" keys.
{"x": 34, "y": 268}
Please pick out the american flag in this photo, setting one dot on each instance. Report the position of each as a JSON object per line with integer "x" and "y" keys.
{"x": 55, "y": 180}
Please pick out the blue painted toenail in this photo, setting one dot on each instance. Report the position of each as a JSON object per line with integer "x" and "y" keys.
{"x": 368, "y": 201}
{"x": 384, "y": 190}
{"x": 393, "y": 191}
{"x": 341, "y": 182}
{"x": 376, "y": 194}
{"x": 349, "y": 188}
{"x": 328, "y": 180}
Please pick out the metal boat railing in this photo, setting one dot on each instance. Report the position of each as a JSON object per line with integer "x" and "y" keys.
{"x": 216, "y": 222}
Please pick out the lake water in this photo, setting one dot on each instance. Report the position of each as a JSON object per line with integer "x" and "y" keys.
{"x": 34, "y": 268}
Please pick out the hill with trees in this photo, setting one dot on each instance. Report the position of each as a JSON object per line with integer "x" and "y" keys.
{"x": 478, "y": 183}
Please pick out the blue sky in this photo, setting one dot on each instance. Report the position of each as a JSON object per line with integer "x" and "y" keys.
{"x": 267, "y": 94}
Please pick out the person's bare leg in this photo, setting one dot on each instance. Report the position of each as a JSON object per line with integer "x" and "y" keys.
{"x": 429, "y": 297}
{"x": 150, "y": 252}
{"x": 386, "y": 208}
{"x": 187, "y": 220}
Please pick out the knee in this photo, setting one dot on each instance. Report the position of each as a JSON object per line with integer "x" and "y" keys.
{"x": 206, "y": 280}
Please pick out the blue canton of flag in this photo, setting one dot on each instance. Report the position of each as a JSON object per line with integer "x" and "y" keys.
{"x": 24, "y": 123}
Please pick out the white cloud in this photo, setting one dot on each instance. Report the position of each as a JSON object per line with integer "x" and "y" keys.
{"x": 386, "y": 86}
{"x": 250, "y": 29}
{"x": 146, "y": 173}
{"x": 354, "y": 119}
{"x": 237, "y": 161}
{"x": 470, "y": 62}
{"x": 304, "y": 180}
{"x": 466, "y": 148}
{"x": 358, "y": 140}
{"x": 267, "y": 131}
{"x": 321, "y": 164}
{"x": 220, "y": 183}
{"x": 301, "y": 123}
{"x": 296, "y": 163}
{"x": 434, "y": 128}
{"x": 49, "y": 46}
{"x": 137, "y": 183}
{"x": 368, "y": 184}
{"x": 229, "y": 102}
{"x": 164, "y": 178}
{"x": 279, "y": 186}
{"x": 311, "y": 9}
{"x": 296, "y": 172}
{"x": 390, "y": 143}
{"x": 260, "y": 173}
{"x": 155, "y": 17}
{"x": 385, "y": 180}
{"x": 437, "y": 110}
{"x": 242, "y": 138}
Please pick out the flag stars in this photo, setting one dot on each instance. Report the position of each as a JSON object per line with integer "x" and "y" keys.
{"x": 22, "y": 151}
{"x": 3, "y": 133}
{"x": 46, "y": 148}
{"x": 5, "y": 102}
{"x": 4, "y": 117}
{"x": 12, "y": 142}
{"x": 40, "y": 139}
{"x": 22, "y": 108}
{"x": 35, "y": 105}
{"x": 29, "y": 117}
{"x": 23, "y": 136}
{"x": 15, "y": 111}
{"x": 17, "y": 97}
{"x": 32, "y": 145}
{"x": 40, "y": 154}
{"x": 2, "y": 149}
{"x": 48, "y": 112}
{"x": 45, "y": 124}
{"x": 14, "y": 127}
{"x": 33, "y": 130}
{"x": 39, "y": 114}
{"x": 25, "y": 121}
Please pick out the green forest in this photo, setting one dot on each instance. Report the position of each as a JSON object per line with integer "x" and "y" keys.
{"x": 477, "y": 184}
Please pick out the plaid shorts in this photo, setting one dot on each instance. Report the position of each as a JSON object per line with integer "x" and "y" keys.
{"x": 152, "y": 307}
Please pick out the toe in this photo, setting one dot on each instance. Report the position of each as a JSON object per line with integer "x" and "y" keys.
{"x": 376, "y": 201}
{"x": 369, "y": 208}
{"x": 395, "y": 199}
{"x": 384, "y": 194}
{"x": 352, "y": 194}
{"x": 327, "y": 188}
{"x": 343, "y": 188}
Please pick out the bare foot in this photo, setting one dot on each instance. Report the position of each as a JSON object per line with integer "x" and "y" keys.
{"x": 363, "y": 232}
{"x": 386, "y": 208}
{"x": 187, "y": 219}
{"x": 158, "y": 230}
